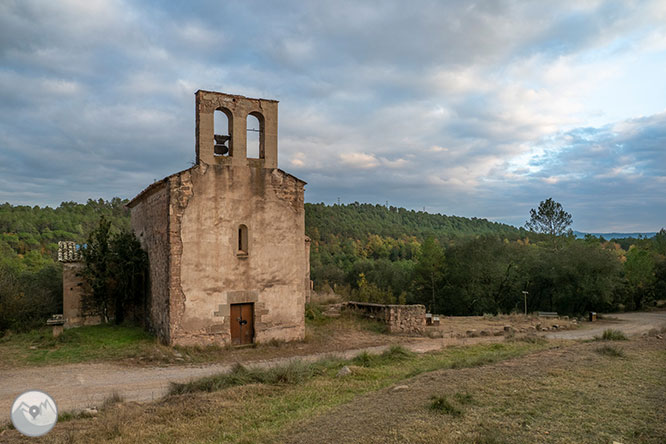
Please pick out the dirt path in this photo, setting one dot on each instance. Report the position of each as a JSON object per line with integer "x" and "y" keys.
{"x": 632, "y": 324}
{"x": 78, "y": 386}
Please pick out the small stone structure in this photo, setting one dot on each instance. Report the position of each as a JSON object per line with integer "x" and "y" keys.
{"x": 399, "y": 318}
{"x": 74, "y": 286}
{"x": 229, "y": 259}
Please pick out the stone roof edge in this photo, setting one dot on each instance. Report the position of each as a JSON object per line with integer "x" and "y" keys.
{"x": 238, "y": 96}
{"x": 154, "y": 186}
{"x": 292, "y": 176}
{"x": 159, "y": 183}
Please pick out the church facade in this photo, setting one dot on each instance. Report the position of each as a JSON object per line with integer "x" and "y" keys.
{"x": 229, "y": 259}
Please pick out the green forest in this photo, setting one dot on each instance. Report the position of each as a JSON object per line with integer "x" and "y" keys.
{"x": 453, "y": 265}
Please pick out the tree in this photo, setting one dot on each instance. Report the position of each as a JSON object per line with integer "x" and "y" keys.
{"x": 97, "y": 271}
{"x": 428, "y": 271}
{"x": 116, "y": 268}
{"x": 639, "y": 271}
{"x": 550, "y": 218}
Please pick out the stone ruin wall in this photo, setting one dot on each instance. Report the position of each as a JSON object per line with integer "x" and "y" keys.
{"x": 404, "y": 319}
{"x": 150, "y": 225}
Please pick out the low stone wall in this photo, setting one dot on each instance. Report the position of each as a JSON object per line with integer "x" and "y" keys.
{"x": 398, "y": 318}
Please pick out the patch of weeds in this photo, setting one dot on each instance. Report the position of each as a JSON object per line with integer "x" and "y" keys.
{"x": 610, "y": 351}
{"x": 533, "y": 339}
{"x": 463, "y": 398}
{"x": 114, "y": 398}
{"x": 294, "y": 372}
{"x": 313, "y": 312}
{"x": 396, "y": 353}
{"x": 485, "y": 436}
{"x": 442, "y": 405}
{"x": 612, "y": 335}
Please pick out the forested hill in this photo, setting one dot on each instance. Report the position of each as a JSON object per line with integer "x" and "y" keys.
{"x": 358, "y": 221}
{"x": 25, "y": 228}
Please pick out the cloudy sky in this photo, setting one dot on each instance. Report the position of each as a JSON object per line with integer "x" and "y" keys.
{"x": 468, "y": 108}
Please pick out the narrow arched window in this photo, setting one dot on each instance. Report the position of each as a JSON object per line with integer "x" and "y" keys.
{"x": 222, "y": 132}
{"x": 255, "y": 135}
{"x": 242, "y": 239}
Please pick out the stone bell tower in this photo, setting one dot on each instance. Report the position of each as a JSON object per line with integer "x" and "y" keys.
{"x": 236, "y": 109}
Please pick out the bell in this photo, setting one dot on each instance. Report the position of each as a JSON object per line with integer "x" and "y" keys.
{"x": 220, "y": 150}
{"x": 221, "y": 139}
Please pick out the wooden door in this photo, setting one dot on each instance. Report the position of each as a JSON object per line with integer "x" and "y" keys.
{"x": 242, "y": 324}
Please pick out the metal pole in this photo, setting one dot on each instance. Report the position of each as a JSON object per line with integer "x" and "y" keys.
{"x": 525, "y": 298}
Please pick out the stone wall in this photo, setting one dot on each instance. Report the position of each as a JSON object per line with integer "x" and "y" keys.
{"x": 399, "y": 318}
{"x": 150, "y": 225}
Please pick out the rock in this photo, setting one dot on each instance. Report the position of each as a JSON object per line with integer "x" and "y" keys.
{"x": 344, "y": 371}
{"x": 659, "y": 337}
{"x": 92, "y": 411}
{"x": 179, "y": 359}
{"x": 485, "y": 333}
{"x": 399, "y": 388}
{"x": 472, "y": 333}
{"x": 177, "y": 354}
{"x": 33, "y": 347}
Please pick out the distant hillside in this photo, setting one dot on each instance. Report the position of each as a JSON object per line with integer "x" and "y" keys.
{"x": 24, "y": 228}
{"x": 358, "y": 221}
{"x": 609, "y": 236}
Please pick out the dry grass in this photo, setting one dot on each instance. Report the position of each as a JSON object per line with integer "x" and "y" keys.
{"x": 564, "y": 395}
{"x": 261, "y": 407}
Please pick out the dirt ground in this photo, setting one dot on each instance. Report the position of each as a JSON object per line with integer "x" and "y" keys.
{"x": 78, "y": 386}
{"x": 472, "y": 326}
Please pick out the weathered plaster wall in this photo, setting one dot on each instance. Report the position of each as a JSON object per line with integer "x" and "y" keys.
{"x": 73, "y": 289}
{"x": 150, "y": 225}
{"x": 208, "y": 203}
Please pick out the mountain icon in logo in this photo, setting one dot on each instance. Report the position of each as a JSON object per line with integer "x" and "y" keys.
{"x": 34, "y": 413}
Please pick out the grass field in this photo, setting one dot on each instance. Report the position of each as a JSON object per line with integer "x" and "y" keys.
{"x": 132, "y": 345}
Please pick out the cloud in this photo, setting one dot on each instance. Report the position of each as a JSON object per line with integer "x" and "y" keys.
{"x": 471, "y": 108}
